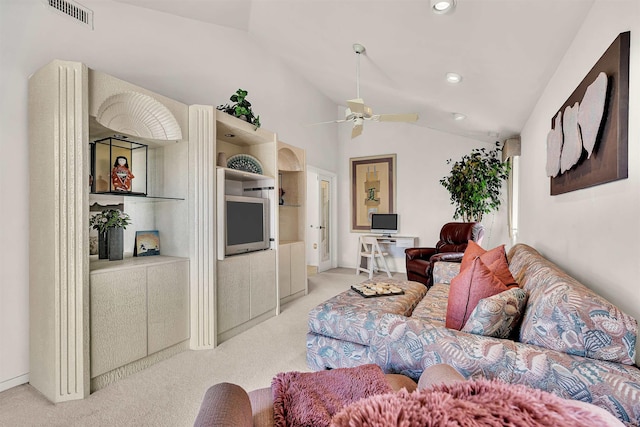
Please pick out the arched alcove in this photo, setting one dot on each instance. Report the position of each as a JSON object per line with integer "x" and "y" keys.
{"x": 288, "y": 161}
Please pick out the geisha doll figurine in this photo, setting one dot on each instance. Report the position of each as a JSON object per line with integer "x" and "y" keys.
{"x": 121, "y": 176}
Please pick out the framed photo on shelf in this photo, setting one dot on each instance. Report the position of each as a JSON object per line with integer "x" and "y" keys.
{"x": 373, "y": 188}
{"x": 147, "y": 243}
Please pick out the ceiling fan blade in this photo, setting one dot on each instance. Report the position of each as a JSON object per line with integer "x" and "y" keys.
{"x": 395, "y": 117}
{"x": 478, "y": 135}
{"x": 357, "y": 105}
{"x": 356, "y": 131}
{"x": 330, "y": 121}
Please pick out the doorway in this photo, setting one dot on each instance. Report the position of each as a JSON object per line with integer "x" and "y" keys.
{"x": 321, "y": 215}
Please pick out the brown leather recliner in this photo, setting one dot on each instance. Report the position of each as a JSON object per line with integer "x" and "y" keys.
{"x": 454, "y": 237}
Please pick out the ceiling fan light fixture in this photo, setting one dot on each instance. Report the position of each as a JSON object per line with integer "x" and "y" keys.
{"x": 440, "y": 7}
{"x": 357, "y": 112}
{"x": 453, "y": 78}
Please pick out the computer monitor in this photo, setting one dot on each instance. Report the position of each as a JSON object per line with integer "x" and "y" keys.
{"x": 384, "y": 223}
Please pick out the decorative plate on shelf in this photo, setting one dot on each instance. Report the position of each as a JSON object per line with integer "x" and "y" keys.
{"x": 245, "y": 162}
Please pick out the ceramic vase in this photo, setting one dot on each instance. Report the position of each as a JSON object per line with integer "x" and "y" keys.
{"x": 115, "y": 243}
{"x": 103, "y": 245}
{"x": 222, "y": 159}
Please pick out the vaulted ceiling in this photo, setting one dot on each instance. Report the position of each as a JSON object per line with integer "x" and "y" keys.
{"x": 505, "y": 50}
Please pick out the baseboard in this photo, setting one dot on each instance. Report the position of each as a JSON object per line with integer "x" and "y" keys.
{"x": 223, "y": 336}
{"x": 13, "y": 382}
{"x": 290, "y": 298}
{"x": 108, "y": 378}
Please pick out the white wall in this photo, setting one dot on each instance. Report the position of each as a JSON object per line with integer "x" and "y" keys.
{"x": 594, "y": 233}
{"x": 186, "y": 60}
{"x": 422, "y": 203}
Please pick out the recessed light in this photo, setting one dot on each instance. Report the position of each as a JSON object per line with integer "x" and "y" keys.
{"x": 229, "y": 135}
{"x": 453, "y": 78}
{"x": 458, "y": 116}
{"x": 442, "y": 6}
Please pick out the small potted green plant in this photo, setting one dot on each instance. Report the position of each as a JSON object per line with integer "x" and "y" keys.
{"x": 109, "y": 224}
{"x": 241, "y": 108}
{"x": 475, "y": 183}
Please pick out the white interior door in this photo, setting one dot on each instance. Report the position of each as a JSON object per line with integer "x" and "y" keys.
{"x": 324, "y": 227}
{"x": 321, "y": 214}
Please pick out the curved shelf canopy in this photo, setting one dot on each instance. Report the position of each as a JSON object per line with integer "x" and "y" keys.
{"x": 140, "y": 115}
{"x": 288, "y": 161}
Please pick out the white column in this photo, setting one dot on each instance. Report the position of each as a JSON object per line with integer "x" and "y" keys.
{"x": 59, "y": 180}
{"x": 202, "y": 185}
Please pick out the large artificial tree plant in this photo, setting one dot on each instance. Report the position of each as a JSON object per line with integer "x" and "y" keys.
{"x": 241, "y": 108}
{"x": 475, "y": 183}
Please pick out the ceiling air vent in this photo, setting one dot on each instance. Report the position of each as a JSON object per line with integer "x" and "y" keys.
{"x": 72, "y": 9}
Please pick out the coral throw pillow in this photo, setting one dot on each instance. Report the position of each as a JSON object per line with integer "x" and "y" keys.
{"x": 482, "y": 275}
{"x": 495, "y": 259}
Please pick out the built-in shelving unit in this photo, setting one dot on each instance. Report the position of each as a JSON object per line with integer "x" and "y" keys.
{"x": 93, "y": 321}
{"x": 246, "y": 283}
{"x": 167, "y": 199}
{"x": 292, "y": 269}
{"x": 81, "y": 307}
{"x": 160, "y": 284}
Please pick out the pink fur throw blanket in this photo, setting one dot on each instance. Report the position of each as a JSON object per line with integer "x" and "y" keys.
{"x": 312, "y": 398}
{"x": 471, "y": 403}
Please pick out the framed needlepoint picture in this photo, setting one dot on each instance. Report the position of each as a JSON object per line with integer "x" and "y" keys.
{"x": 373, "y": 189}
{"x": 147, "y": 243}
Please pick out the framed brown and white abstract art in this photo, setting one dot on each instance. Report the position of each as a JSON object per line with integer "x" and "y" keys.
{"x": 588, "y": 141}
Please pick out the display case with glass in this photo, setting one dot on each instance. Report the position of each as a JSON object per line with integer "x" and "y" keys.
{"x": 119, "y": 166}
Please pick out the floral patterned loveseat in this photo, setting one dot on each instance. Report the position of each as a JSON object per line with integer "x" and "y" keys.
{"x": 572, "y": 342}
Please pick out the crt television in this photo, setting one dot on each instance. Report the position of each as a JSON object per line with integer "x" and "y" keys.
{"x": 384, "y": 223}
{"x": 247, "y": 224}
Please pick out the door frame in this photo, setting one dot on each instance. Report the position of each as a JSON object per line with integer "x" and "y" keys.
{"x": 333, "y": 216}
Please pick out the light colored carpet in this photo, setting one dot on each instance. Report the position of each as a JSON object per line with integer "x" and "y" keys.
{"x": 169, "y": 393}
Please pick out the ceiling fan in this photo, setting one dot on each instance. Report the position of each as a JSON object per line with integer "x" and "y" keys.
{"x": 357, "y": 112}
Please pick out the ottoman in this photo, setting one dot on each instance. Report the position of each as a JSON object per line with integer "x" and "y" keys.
{"x": 349, "y": 319}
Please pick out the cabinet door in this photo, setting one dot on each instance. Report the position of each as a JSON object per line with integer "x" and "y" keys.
{"x": 118, "y": 319}
{"x": 298, "y": 268}
{"x": 233, "y": 292}
{"x": 263, "y": 282}
{"x": 168, "y": 304}
{"x": 284, "y": 270}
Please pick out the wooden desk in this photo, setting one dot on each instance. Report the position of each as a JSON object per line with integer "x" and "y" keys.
{"x": 398, "y": 241}
{"x": 395, "y": 246}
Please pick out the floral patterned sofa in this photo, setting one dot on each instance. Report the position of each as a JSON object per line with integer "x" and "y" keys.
{"x": 571, "y": 341}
